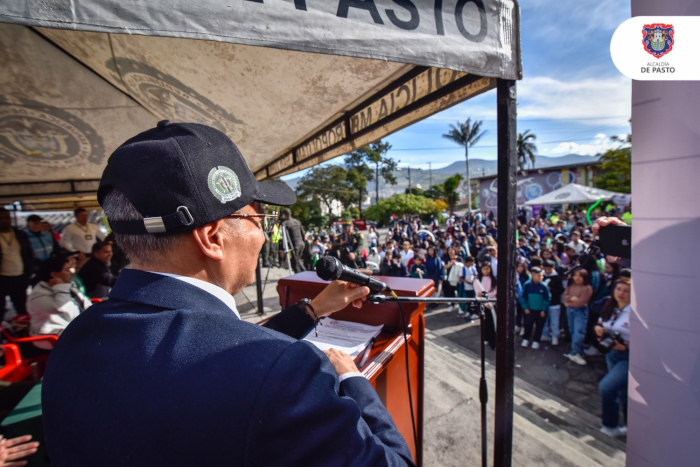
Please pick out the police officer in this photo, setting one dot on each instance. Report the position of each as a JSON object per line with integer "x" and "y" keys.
{"x": 356, "y": 239}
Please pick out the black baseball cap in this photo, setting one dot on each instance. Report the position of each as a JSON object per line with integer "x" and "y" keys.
{"x": 180, "y": 176}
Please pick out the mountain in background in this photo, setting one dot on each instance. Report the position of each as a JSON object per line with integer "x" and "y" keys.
{"x": 477, "y": 168}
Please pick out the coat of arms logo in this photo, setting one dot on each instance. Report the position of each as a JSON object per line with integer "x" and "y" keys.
{"x": 658, "y": 38}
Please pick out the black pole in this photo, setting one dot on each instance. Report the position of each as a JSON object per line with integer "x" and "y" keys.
{"x": 258, "y": 288}
{"x": 505, "y": 305}
{"x": 483, "y": 388}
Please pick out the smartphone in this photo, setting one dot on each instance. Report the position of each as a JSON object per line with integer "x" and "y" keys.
{"x": 616, "y": 240}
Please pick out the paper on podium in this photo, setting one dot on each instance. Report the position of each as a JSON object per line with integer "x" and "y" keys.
{"x": 351, "y": 338}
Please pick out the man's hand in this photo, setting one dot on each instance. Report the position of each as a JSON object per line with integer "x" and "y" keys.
{"x": 527, "y": 312}
{"x": 16, "y": 448}
{"x": 342, "y": 362}
{"x": 604, "y": 222}
{"x": 337, "y": 295}
{"x": 543, "y": 314}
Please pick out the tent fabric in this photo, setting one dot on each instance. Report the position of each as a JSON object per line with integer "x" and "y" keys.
{"x": 294, "y": 83}
{"x": 572, "y": 193}
{"x": 475, "y": 36}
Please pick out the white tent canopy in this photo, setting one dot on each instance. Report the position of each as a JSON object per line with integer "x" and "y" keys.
{"x": 573, "y": 193}
{"x": 293, "y": 83}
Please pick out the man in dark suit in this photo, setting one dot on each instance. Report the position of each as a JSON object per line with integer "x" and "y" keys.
{"x": 96, "y": 275}
{"x": 165, "y": 372}
{"x": 297, "y": 238}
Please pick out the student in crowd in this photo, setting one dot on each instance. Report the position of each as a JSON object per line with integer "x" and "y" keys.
{"x": 453, "y": 272}
{"x": 391, "y": 266}
{"x": 535, "y": 301}
{"x": 553, "y": 281}
{"x": 418, "y": 270}
{"x": 486, "y": 283}
{"x": 374, "y": 260}
{"x": 576, "y": 297}
{"x": 434, "y": 267}
{"x": 615, "y": 318}
{"x": 466, "y": 289}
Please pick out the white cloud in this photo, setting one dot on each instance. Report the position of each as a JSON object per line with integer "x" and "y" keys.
{"x": 600, "y": 143}
{"x": 592, "y": 101}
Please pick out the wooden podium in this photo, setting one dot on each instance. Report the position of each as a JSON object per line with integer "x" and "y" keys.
{"x": 386, "y": 366}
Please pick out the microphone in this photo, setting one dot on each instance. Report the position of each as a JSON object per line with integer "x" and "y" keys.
{"x": 330, "y": 268}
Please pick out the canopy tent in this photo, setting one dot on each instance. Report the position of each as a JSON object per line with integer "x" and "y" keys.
{"x": 573, "y": 193}
{"x": 292, "y": 83}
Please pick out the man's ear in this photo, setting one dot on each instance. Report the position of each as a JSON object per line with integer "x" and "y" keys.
{"x": 209, "y": 239}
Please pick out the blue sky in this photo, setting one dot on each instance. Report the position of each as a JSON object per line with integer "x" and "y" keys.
{"x": 572, "y": 96}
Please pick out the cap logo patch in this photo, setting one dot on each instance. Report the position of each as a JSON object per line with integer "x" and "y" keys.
{"x": 223, "y": 183}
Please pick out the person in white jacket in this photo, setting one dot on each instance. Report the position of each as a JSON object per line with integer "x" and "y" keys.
{"x": 54, "y": 301}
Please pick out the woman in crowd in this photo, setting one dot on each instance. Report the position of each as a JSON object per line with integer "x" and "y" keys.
{"x": 576, "y": 297}
{"x": 433, "y": 269}
{"x": 54, "y": 301}
{"x": 615, "y": 318}
{"x": 547, "y": 253}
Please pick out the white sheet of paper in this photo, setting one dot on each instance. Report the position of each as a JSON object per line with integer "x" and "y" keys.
{"x": 347, "y": 336}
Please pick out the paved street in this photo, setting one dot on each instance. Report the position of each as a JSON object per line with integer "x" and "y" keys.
{"x": 557, "y": 406}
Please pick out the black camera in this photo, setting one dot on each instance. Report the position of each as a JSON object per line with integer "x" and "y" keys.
{"x": 606, "y": 342}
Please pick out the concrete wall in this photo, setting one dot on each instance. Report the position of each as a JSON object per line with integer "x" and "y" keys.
{"x": 664, "y": 387}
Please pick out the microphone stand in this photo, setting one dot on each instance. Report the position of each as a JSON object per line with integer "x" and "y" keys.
{"x": 378, "y": 299}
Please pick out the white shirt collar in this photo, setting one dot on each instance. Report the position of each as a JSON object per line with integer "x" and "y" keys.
{"x": 215, "y": 290}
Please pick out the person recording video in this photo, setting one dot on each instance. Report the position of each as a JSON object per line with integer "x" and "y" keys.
{"x": 165, "y": 372}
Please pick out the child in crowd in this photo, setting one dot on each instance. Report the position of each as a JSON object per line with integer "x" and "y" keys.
{"x": 576, "y": 298}
{"x": 418, "y": 269}
{"x": 535, "y": 303}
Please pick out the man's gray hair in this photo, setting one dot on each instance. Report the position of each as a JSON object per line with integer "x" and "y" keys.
{"x": 145, "y": 248}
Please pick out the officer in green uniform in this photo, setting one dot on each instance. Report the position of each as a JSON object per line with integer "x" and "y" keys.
{"x": 356, "y": 239}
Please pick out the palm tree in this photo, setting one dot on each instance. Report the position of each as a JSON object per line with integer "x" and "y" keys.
{"x": 526, "y": 149}
{"x": 466, "y": 134}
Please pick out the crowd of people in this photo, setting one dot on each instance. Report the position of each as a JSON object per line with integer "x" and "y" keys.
{"x": 566, "y": 293}
{"x": 51, "y": 277}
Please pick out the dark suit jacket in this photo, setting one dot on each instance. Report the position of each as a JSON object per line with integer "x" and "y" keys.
{"x": 97, "y": 278}
{"x": 165, "y": 374}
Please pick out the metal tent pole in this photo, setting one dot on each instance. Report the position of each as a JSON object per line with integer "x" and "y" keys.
{"x": 505, "y": 306}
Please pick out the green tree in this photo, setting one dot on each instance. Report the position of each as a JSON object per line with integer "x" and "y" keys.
{"x": 401, "y": 204}
{"x": 369, "y": 163}
{"x": 326, "y": 183}
{"x": 526, "y": 149}
{"x": 450, "y": 188}
{"x": 414, "y": 191}
{"x": 616, "y": 167}
{"x": 466, "y": 134}
{"x": 435, "y": 192}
